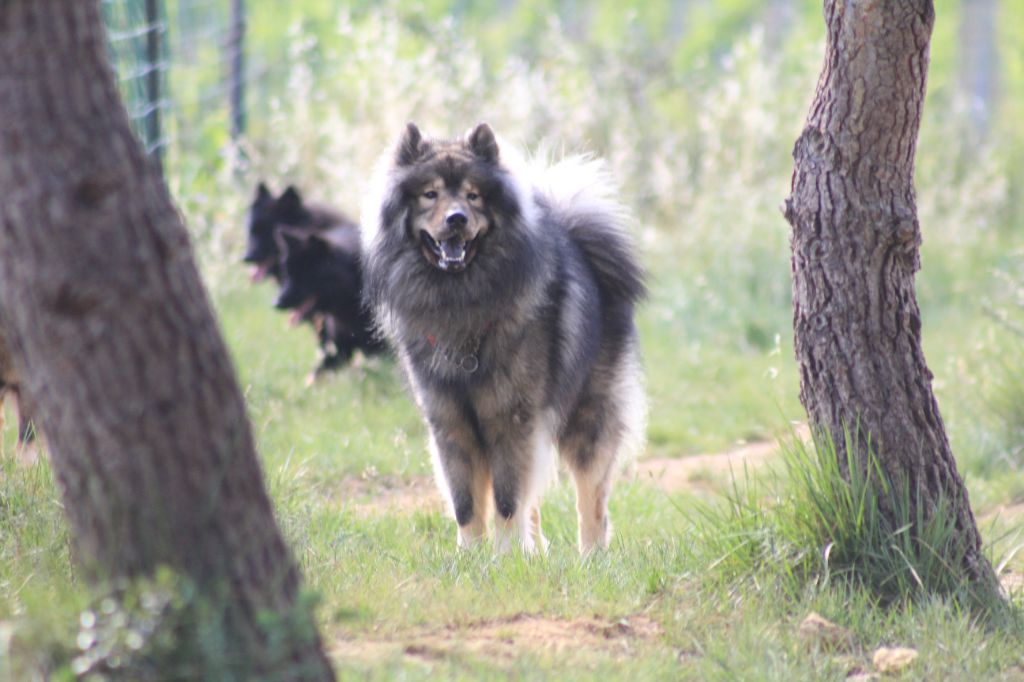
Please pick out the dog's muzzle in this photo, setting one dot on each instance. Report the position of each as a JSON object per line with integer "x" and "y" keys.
{"x": 450, "y": 255}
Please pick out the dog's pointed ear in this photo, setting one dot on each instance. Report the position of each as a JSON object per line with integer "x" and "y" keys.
{"x": 482, "y": 143}
{"x": 410, "y": 147}
{"x": 262, "y": 193}
{"x": 290, "y": 198}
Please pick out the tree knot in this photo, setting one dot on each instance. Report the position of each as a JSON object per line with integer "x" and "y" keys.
{"x": 70, "y": 301}
{"x": 906, "y": 232}
{"x": 91, "y": 191}
{"x": 815, "y": 146}
{"x": 786, "y": 207}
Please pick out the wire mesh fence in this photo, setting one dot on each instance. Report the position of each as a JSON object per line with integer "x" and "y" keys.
{"x": 182, "y": 70}
{"x": 137, "y": 33}
{"x": 191, "y": 85}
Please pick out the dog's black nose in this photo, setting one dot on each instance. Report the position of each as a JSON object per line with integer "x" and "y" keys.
{"x": 456, "y": 220}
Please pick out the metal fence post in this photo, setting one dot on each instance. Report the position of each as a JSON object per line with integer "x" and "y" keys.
{"x": 154, "y": 66}
{"x": 236, "y": 77}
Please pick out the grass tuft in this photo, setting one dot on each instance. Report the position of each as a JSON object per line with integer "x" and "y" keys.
{"x": 822, "y": 525}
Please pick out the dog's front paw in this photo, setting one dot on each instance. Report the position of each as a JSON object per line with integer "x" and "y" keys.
{"x": 515, "y": 532}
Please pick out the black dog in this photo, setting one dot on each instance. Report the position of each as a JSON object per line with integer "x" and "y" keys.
{"x": 267, "y": 215}
{"x": 324, "y": 281}
{"x": 321, "y": 282}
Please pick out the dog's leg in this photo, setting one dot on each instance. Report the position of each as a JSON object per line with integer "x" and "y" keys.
{"x": 474, "y": 531}
{"x": 606, "y": 428}
{"x": 465, "y": 484}
{"x": 593, "y": 487}
{"x": 520, "y": 478}
{"x": 536, "y": 531}
{"x": 512, "y": 528}
{"x": 460, "y": 468}
{"x": 511, "y": 515}
{"x": 590, "y": 445}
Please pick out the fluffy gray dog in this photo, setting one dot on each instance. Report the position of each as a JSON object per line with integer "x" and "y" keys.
{"x": 508, "y": 294}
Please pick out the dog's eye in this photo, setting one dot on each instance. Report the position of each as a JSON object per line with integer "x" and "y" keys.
{"x": 472, "y": 196}
{"x": 430, "y": 194}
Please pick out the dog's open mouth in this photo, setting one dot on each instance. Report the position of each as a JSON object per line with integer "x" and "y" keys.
{"x": 304, "y": 311}
{"x": 449, "y": 255}
{"x": 259, "y": 271}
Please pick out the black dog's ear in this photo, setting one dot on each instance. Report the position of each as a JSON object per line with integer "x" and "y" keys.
{"x": 410, "y": 147}
{"x": 482, "y": 143}
{"x": 262, "y": 193}
{"x": 290, "y": 199}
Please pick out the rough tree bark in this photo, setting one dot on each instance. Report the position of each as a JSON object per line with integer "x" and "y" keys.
{"x": 117, "y": 346}
{"x": 855, "y": 250}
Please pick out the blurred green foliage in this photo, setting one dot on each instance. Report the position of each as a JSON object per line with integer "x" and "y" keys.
{"x": 661, "y": 56}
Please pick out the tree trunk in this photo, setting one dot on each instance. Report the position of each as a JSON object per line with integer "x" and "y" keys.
{"x": 855, "y": 244}
{"x": 118, "y": 348}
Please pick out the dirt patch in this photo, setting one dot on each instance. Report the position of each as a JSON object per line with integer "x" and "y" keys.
{"x": 702, "y": 471}
{"x": 373, "y": 494}
{"x": 1013, "y": 583}
{"x": 1007, "y": 513}
{"x": 505, "y": 639}
{"x": 377, "y": 495}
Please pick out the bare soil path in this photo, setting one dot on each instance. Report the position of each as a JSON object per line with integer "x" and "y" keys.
{"x": 694, "y": 472}
{"x": 370, "y": 495}
{"x": 505, "y": 639}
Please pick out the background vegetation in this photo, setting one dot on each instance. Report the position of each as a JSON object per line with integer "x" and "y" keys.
{"x": 695, "y": 105}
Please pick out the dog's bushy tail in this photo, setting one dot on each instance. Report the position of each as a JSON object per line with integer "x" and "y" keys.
{"x": 580, "y": 195}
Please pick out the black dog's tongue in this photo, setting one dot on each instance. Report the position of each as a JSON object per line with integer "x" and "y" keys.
{"x": 453, "y": 253}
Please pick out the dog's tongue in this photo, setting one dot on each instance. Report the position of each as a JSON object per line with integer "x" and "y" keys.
{"x": 300, "y": 312}
{"x": 259, "y": 272}
{"x": 453, "y": 251}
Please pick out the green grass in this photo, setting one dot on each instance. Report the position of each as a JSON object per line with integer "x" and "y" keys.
{"x": 344, "y": 424}
{"x": 822, "y": 528}
{"x": 725, "y": 591}
{"x": 392, "y": 578}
